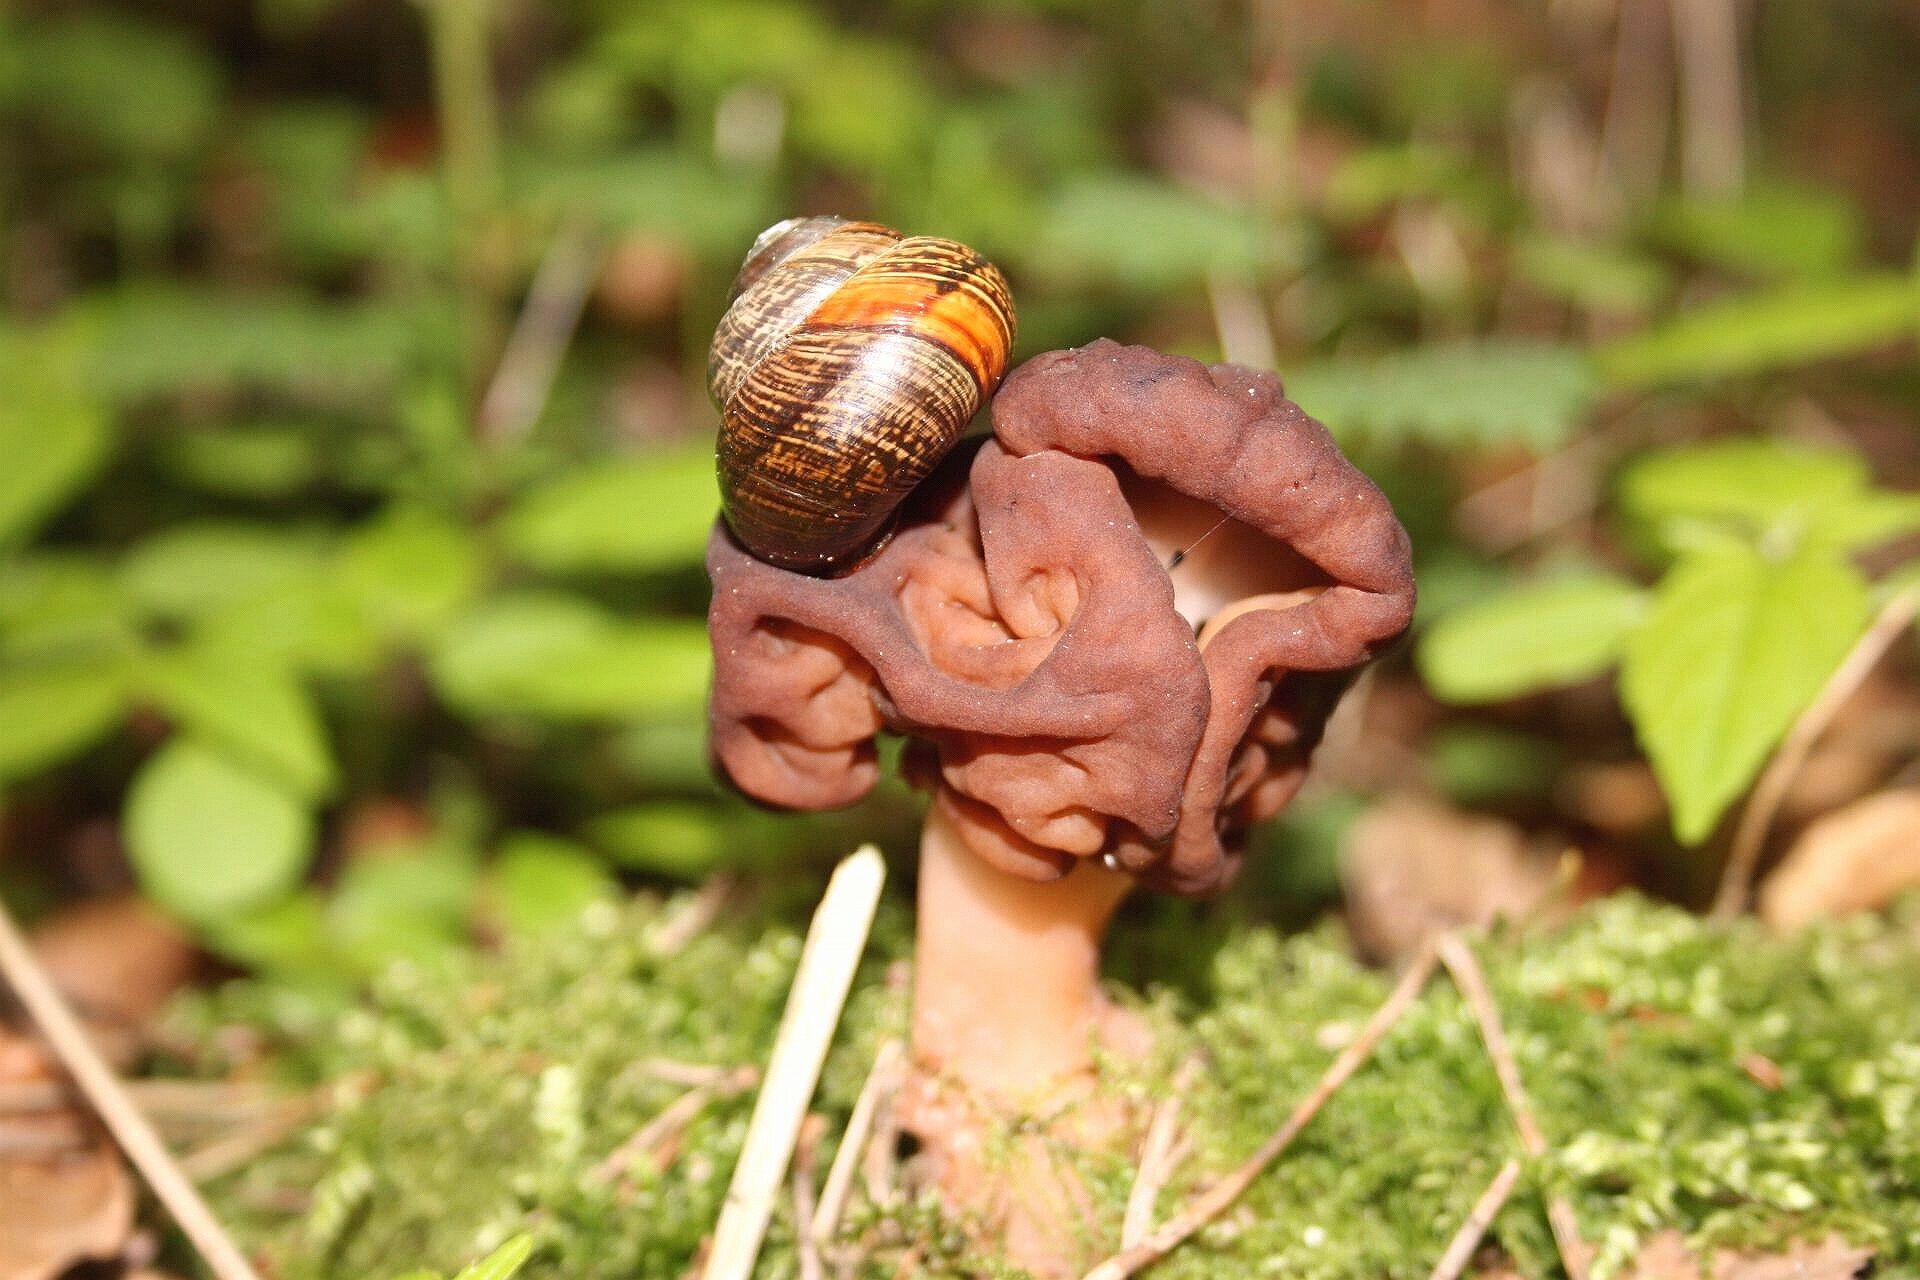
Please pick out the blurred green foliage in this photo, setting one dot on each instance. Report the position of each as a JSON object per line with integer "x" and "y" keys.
{"x": 361, "y": 661}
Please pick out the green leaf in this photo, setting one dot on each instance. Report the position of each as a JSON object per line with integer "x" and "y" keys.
{"x": 1139, "y": 234}
{"x": 502, "y": 1262}
{"x": 630, "y": 515}
{"x": 541, "y": 882}
{"x": 192, "y": 569}
{"x": 1783, "y": 327}
{"x": 554, "y": 656}
{"x": 404, "y": 900}
{"x": 668, "y": 838}
{"x": 1770, "y": 229}
{"x": 1757, "y": 483}
{"x": 1594, "y": 276}
{"x": 59, "y": 602}
{"x": 410, "y": 571}
{"x": 53, "y": 433}
{"x": 252, "y": 707}
{"x": 1475, "y": 394}
{"x": 50, "y": 713}
{"x": 1531, "y": 638}
{"x": 1760, "y": 487}
{"x": 1735, "y": 648}
{"x": 262, "y": 461}
{"x": 208, "y": 836}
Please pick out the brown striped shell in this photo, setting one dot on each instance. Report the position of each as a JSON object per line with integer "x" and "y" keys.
{"x": 850, "y": 360}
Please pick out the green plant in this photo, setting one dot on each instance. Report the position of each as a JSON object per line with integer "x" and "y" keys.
{"x": 1759, "y": 596}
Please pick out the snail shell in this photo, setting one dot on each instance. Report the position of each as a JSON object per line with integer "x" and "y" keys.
{"x": 850, "y": 360}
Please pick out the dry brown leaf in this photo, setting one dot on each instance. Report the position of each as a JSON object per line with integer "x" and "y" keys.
{"x": 115, "y": 958}
{"x": 1667, "y": 1257}
{"x": 1413, "y": 866}
{"x": 57, "y": 1209}
{"x": 1854, "y": 859}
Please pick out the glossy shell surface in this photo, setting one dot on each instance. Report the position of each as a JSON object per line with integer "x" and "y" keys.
{"x": 849, "y": 362}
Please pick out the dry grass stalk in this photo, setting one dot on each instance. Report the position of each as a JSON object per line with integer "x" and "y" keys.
{"x": 883, "y": 1079}
{"x": 1157, "y": 1161}
{"x": 669, "y": 1123}
{"x": 694, "y": 917}
{"x": 224, "y": 1154}
{"x": 834, "y": 942}
{"x": 1220, "y": 1197}
{"x": 1467, "y": 975}
{"x": 806, "y": 1160}
{"x": 117, "y": 1110}
{"x": 1749, "y": 837}
{"x": 1460, "y": 1250}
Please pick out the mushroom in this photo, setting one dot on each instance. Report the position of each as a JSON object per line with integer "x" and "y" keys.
{"x": 1112, "y": 635}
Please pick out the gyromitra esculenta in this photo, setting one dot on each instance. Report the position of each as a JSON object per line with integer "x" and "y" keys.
{"x": 1113, "y": 637}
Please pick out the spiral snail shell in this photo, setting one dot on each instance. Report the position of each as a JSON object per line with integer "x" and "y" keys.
{"x": 850, "y": 360}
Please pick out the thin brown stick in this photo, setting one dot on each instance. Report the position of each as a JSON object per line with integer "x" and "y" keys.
{"x": 1156, "y": 1158}
{"x": 1712, "y": 127}
{"x": 1459, "y": 959}
{"x": 223, "y": 1155}
{"x": 1756, "y": 817}
{"x": 806, "y": 1160}
{"x": 1218, "y": 1198}
{"x": 109, "y": 1098}
{"x": 670, "y": 1120}
{"x": 883, "y": 1079}
{"x": 1460, "y": 1250}
{"x": 692, "y": 917}
{"x": 523, "y": 379}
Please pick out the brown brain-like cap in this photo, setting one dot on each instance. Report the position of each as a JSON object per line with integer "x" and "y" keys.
{"x": 1022, "y": 626}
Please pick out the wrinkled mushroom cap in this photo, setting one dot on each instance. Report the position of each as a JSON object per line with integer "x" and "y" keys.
{"x": 1022, "y": 626}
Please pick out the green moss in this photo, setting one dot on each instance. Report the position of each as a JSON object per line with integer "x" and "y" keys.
{"x": 470, "y": 1103}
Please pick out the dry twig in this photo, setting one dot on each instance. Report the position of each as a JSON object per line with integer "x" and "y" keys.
{"x": 883, "y": 1079}
{"x": 671, "y": 1121}
{"x": 1749, "y": 837}
{"x": 1465, "y": 969}
{"x": 1460, "y": 1250}
{"x": 1218, "y": 1198}
{"x": 1156, "y": 1158}
{"x": 523, "y": 379}
{"x": 691, "y": 919}
{"x": 834, "y": 942}
{"x": 805, "y": 1163}
{"x": 109, "y": 1098}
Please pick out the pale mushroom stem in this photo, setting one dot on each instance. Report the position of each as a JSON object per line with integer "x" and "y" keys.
{"x": 1006, "y": 979}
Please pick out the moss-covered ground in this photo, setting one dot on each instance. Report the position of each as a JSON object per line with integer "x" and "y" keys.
{"x": 1737, "y": 1086}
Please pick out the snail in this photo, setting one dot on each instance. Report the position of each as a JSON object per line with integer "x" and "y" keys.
{"x": 849, "y": 362}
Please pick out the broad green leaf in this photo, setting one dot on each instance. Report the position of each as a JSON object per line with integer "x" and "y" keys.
{"x": 1480, "y": 765}
{"x": 1487, "y": 393}
{"x": 284, "y": 937}
{"x": 208, "y": 836}
{"x": 410, "y": 571}
{"x": 1763, "y": 486}
{"x": 549, "y": 655}
{"x": 302, "y": 624}
{"x": 1734, "y": 649}
{"x": 251, "y": 707}
{"x": 502, "y": 1262}
{"x": 1768, "y": 229}
{"x": 1146, "y": 235}
{"x": 631, "y": 515}
{"x": 61, "y": 602}
{"x": 667, "y": 838}
{"x": 195, "y": 568}
{"x": 1760, "y": 482}
{"x": 540, "y": 882}
{"x": 1776, "y": 328}
{"x": 408, "y": 900}
{"x": 50, "y": 713}
{"x": 53, "y": 433}
{"x": 263, "y": 461}
{"x": 1531, "y": 638}
{"x": 141, "y": 89}
{"x": 1595, "y": 276}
